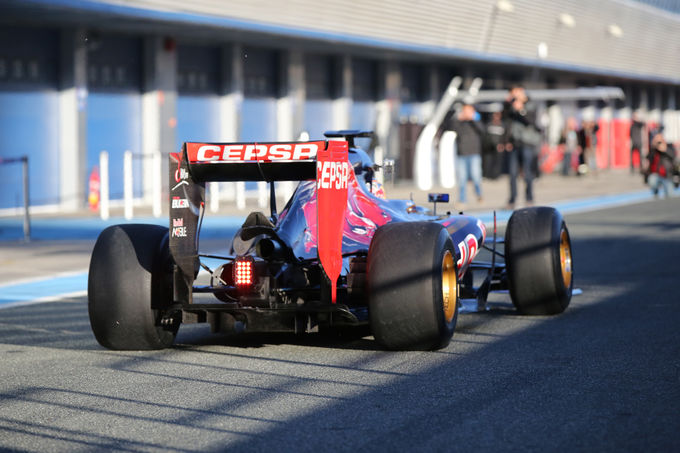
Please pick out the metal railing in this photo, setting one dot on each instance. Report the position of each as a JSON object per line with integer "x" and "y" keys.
{"x": 128, "y": 183}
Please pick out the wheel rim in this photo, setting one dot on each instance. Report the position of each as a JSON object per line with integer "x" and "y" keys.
{"x": 565, "y": 258}
{"x": 449, "y": 286}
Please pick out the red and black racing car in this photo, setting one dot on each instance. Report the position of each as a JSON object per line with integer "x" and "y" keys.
{"x": 337, "y": 255}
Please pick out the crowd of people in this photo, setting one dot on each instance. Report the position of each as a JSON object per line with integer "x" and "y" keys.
{"x": 511, "y": 140}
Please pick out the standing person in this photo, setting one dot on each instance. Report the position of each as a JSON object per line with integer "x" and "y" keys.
{"x": 588, "y": 144}
{"x": 637, "y": 135}
{"x": 660, "y": 167}
{"x": 521, "y": 143}
{"x": 492, "y": 159}
{"x": 571, "y": 147}
{"x": 469, "y": 151}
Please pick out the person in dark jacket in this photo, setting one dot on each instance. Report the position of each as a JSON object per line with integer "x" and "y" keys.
{"x": 660, "y": 167}
{"x": 492, "y": 158}
{"x": 570, "y": 142}
{"x": 637, "y": 135}
{"x": 522, "y": 140}
{"x": 469, "y": 150}
{"x": 587, "y": 140}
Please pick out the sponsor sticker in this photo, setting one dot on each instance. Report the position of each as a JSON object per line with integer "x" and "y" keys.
{"x": 179, "y": 203}
{"x": 179, "y": 232}
{"x": 181, "y": 174}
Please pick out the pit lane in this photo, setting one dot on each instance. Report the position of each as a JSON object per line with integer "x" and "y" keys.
{"x": 604, "y": 376}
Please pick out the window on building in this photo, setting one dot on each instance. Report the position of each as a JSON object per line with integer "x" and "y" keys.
{"x": 665, "y": 98}
{"x": 446, "y": 73}
{"x": 198, "y": 69}
{"x": 364, "y": 79}
{"x": 636, "y": 97}
{"x": 319, "y": 77}
{"x": 260, "y": 72}
{"x": 114, "y": 63}
{"x": 413, "y": 83}
{"x": 28, "y": 57}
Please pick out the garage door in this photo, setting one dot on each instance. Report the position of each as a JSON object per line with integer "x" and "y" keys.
{"x": 114, "y": 107}
{"x": 198, "y": 83}
{"x": 29, "y": 114}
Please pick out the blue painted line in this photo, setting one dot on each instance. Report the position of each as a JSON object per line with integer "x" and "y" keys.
{"x": 11, "y": 229}
{"x": 52, "y": 288}
{"x": 587, "y": 204}
{"x": 574, "y": 206}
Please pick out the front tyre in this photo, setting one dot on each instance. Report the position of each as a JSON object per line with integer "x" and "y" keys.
{"x": 538, "y": 261}
{"x": 127, "y": 288}
{"x": 412, "y": 286}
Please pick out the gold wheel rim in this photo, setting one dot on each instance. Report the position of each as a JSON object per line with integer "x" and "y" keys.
{"x": 449, "y": 287}
{"x": 565, "y": 258}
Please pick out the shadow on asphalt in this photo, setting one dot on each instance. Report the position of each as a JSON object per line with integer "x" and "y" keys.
{"x": 605, "y": 369}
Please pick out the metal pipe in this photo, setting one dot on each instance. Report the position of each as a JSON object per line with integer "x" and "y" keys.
{"x": 156, "y": 184}
{"x": 27, "y": 216}
{"x": 423, "y": 154}
{"x": 104, "y": 185}
{"x": 127, "y": 184}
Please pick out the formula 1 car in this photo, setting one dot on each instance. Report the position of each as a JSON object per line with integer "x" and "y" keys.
{"x": 338, "y": 255}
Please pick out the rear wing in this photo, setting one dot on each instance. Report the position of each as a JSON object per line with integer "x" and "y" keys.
{"x": 253, "y": 161}
{"x": 198, "y": 163}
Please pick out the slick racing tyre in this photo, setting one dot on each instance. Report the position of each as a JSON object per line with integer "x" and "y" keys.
{"x": 126, "y": 279}
{"x": 412, "y": 286}
{"x": 538, "y": 261}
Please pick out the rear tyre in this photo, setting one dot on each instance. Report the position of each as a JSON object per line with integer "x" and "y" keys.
{"x": 412, "y": 286}
{"x": 128, "y": 289}
{"x": 538, "y": 260}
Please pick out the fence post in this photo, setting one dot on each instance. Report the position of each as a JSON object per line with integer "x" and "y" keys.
{"x": 27, "y": 216}
{"x": 241, "y": 195}
{"x": 214, "y": 190}
{"x": 104, "y": 185}
{"x": 378, "y": 157}
{"x": 286, "y": 190}
{"x": 447, "y": 160}
{"x": 156, "y": 185}
{"x": 262, "y": 194}
{"x": 127, "y": 184}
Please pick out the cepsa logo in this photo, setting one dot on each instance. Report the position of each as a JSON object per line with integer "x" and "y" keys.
{"x": 332, "y": 175}
{"x": 251, "y": 152}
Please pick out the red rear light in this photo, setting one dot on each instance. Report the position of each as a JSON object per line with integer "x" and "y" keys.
{"x": 243, "y": 271}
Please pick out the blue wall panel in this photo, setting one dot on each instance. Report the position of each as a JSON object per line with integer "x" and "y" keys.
{"x": 198, "y": 119}
{"x": 258, "y": 120}
{"x": 29, "y": 122}
{"x": 114, "y": 124}
{"x": 318, "y": 117}
{"x": 362, "y": 115}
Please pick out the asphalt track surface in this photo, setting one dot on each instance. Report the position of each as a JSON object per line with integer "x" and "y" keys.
{"x": 604, "y": 376}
